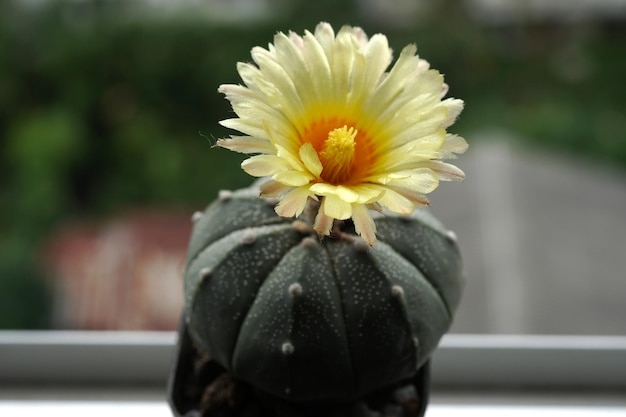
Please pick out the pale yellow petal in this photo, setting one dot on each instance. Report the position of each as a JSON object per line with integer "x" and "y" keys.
{"x": 422, "y": 66}
{"x": 283, "y": 137}
{"x": 413, "y": 100}
{"x": 375, "y": 207}
{"x": 404, "y": 159}
{"x": 453, "y": 145}
{"x": 363, "y": 223}
{"x": 454, "y": 106}
{"x": 310, "y": 159}
{"x": 344, "y": 193}
{"x": 341, "y": 64}
{"x": 293, "y": 178}
{"x": 289, "y": 54}
{"x": 444, "y": 90}
{"x": 245, "y": 126}
{"x": 419, "y": 200}
{"x": 445, "y": 171}
{"x": 318, "y": 67}
{"x": 323, "y": 223}
{"x": 264, "y": 165}
{"x": 237, "y": 93}
{"x": 290, "y": 157}
{"x": 254, "y": 80}
{"x": 293, "y": 203}
{"x": 393, "y": 84}
{"x": 361, "y": 194}
{"x": 367, "y": 193}
{"x": 421, "y": 180}
{"x": 325, "y": 35}
{"x": 322, "y": 188}
{"x": 258, "y": 51}
{"x": 412, "y": 153}
{"x": 335, "y": 207}
{"x": 401, "y": 131}
{"x": 359, "y": 35}
{"x": 358, "y": 88}
{"x": 255, "y": 108}
{"x": 247, "y": 144}
{"x": 283, "y": 89}
{"x": 426, "y": 82}
{"x": 396, "y": 202}
{"x": 296, "y": 39}
{"x": 274, "y": 189}
{"x": 347, "y": 194}
{"x": 378, "y": 56}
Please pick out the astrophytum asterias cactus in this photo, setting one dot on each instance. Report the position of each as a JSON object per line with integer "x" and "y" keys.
{"x": 317, "y": 319}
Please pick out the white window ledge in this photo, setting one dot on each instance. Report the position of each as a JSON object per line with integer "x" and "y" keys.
{"x": 156, "y": 409}
{"x": 73, "y": 374}
{"x": 461, "y": 362}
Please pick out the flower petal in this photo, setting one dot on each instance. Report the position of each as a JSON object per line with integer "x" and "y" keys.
{"x": 446, "y": 172}
{"x": 323, "y": 223}
{"x": 244, "y": 126}
{"x": 310, "y": 159}
{"x": 367, "y": 193}
{"x": 293, "y": 203}
{"x": 452, "y": 145}
{"x": 396, "y": 202}
{"x": 247, "y": 144}
{"x": 264, "y": 165}
{"x": 335, "y": 207}
{"x": 293, "y": 178}
{"x": 378, "y": 56}
{"x": 455, "y": 106}
{"x": 346, "y": 194}
{"x": 362, "y": 194}
{"x": 273, "y": 189}
{"x": 421, "y": 180}
{"x": 419, "y": 200}
{"x": 363, "y": 223}
{"x": 319, "y": 68}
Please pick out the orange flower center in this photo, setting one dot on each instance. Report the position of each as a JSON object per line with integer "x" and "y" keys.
{"x": 344, "y": 150}
{"x": 337, "y": 155}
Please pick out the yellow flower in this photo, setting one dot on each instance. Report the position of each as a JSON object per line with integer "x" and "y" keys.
{"x": 329, "y": 122}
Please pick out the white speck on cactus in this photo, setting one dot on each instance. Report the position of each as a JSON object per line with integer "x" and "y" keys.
{"x": 452, "y": 236}
{"x": 416, "y": 342}
{"x": 205, "y": 272}
{"x": 397, "y": 291}
{"x": 295, "y": 290}
{"x": 225, "y": 195}
{"x": 287, "y": 348}
{"x": 248, "y": 238}
{"x": 196, "y": 216}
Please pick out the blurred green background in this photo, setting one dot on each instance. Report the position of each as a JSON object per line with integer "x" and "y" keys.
{"x": 106, "y": 105}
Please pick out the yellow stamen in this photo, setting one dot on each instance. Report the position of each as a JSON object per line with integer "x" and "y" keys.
{"x": 337, "y": 155}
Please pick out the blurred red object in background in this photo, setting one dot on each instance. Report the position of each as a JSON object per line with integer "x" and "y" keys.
{"x": 122, "y": 274}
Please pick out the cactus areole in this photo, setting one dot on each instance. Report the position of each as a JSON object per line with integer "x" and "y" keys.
{"x": 317, "y": 319}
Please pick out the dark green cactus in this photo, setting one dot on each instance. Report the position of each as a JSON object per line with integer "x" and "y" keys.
{"x": 314, "y": 319}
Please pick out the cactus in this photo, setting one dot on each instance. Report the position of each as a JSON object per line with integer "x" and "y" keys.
{"x": 317, "y": 319}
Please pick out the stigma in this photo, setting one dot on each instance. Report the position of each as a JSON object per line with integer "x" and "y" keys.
{"x": 337, "y": 155}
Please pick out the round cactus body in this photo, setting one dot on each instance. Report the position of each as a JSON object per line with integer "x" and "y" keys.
{"x": 314, "y": 319}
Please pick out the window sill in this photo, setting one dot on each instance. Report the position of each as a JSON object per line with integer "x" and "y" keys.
{"x": 124, "y": 374}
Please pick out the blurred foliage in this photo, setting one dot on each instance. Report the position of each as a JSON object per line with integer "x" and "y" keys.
{"x": 101, "y": 109}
